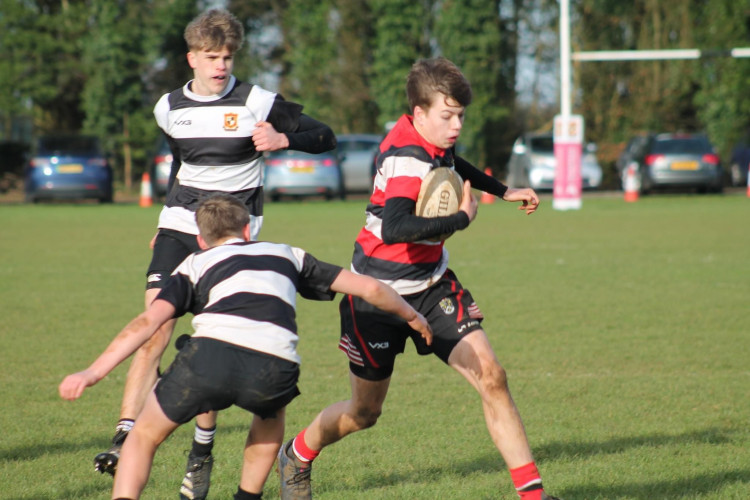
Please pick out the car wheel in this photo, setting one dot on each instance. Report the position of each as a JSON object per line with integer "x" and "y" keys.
{"x": 645, "y": 181}
{"x": 735, "y": 174}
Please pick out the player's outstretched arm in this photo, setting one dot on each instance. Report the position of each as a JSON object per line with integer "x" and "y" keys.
{"x": 527, "y": 196}
{"x": 133, "y": 336}
{"x": 383, "y": 297}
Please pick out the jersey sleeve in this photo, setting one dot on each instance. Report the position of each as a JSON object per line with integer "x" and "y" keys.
{"x": 316, "y": 277}
{"x": 478, "y": 179}
{"x": 284, "y": 115}
{"x": 178, "y": 291}
{"x": 400, "y": 225}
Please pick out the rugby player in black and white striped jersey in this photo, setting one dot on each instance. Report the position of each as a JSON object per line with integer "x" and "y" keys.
{"x": 242, "y": 294}
{"x": 218, "y": 128}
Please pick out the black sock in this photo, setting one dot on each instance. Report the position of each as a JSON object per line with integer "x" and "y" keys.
{"x": 244, "y": 495}
{"x": 203, "y": 441}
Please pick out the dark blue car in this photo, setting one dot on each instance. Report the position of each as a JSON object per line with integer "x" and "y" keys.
{"x": 68, "y": 167}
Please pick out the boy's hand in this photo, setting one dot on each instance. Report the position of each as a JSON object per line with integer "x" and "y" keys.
{"x": 421, "y": 325}
{"x": 73, "y": 385}
{"x": 468, "y": 202}
{"x": 266, "y": 138}
{"x": 528, "y": 198}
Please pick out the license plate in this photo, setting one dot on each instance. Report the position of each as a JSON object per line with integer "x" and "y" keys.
{"x": 72, "y": 168}
{"x": 303, "y": 170}
{"x": 685, "y": 165}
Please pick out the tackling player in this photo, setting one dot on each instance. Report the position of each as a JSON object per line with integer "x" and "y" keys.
{"x": 393, "y": 248}
{"x": 243, "y": 297}
{"x": 217, "y": 128}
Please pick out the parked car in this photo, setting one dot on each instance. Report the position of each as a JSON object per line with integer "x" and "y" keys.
{"x": 739, "y": 164}
{"x": 161, "y": 166}
{"x": 68, "y": 166}
{"x": 676, "y": 160}
{"x": 532, "y": 164}
{"x": 294, "y": 173}
{"x": 357, "y": 155}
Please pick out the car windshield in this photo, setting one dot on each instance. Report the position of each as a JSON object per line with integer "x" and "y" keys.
{"x": 68, "y": 145}
{"x": 689, "y": 145}
{"x": 541, "y": 144}
{"x": 357, "y": 145}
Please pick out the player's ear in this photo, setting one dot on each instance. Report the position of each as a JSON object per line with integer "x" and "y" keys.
{"x": 419, "y": 113}
{"x": 202, "y": 243}
{"x": 246, "y": 232}
{"x": 191, "y": 58}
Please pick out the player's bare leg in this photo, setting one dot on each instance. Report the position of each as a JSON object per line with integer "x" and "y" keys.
{"x": 330, "y": 425}
{"x": 474, "y": 358}
{"x": 262, "y": 445}
{"x": 355, "y": 414}
{"x": 140, "y": 380}
{"x": 151, "y": 429}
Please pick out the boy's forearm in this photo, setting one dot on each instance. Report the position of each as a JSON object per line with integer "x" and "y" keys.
{"x": 130, "y": 338}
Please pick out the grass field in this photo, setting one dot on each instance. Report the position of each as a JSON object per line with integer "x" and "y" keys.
{"x": 624, "y": 329}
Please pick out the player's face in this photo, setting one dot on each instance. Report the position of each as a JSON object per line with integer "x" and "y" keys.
{"x": 211, "y": 70}
{"x": 441, "y": 123}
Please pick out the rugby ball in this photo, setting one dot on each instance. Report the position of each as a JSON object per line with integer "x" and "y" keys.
{"x": 440, "y": 194}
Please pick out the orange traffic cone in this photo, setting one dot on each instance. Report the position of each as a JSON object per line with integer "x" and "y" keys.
{"x": 487, "y": 197}
{"x": 748, "y": 180}
{"x": 630, "y": 185}
{"x": 146, "y": 198}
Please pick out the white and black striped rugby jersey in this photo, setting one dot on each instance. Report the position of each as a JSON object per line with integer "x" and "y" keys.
{"x": 244, "y": 293}
{"x": 213, "y": 142}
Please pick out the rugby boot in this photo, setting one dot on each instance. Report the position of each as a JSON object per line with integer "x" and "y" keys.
{"x": 294, "y": 475}
{"x": 107, "y": 460}
{"x": 547, "y": 497}
{"x": 197, "y": 477}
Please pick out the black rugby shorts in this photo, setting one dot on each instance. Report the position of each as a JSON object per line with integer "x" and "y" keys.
{"x": 371, "y": 338}
{"x": 209, "y": 374}
{"x": 170, "y": 249}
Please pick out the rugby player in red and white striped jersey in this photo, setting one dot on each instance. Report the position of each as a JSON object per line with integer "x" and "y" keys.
{"x": 394, "y": 246}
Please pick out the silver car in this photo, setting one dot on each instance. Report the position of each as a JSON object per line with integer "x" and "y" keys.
{"x": 675, "y": 161}
{"x": 297, "y": 174}
{"x": 357, "y": 154}
{"x": 532, "y": 164}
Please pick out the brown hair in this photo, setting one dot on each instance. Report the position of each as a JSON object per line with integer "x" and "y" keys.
{"x": 428, "y": 76}
{"x": 220, "y": 216}
{"x": 214, "y": 30}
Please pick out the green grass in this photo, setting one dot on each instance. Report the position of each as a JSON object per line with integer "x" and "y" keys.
{"x": 623, "y": 327}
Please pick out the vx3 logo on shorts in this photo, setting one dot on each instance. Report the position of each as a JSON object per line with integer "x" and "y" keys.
{"x": 470, "y": 324}
{"x": 183, "y": 122}
{"x": 378, "y": 345}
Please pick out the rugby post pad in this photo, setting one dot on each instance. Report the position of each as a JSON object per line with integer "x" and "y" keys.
{"x": 440, "y": 194}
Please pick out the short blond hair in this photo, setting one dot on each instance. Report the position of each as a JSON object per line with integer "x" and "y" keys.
{"x": 220, "y": 216}
{"x": 439, "y": 75}
{"x": 213, "y": 30}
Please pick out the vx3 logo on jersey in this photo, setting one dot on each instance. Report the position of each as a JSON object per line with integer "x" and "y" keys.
{"x": 378, "y": 345}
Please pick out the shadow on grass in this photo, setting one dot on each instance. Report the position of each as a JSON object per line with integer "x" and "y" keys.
{"x": 491, "y": 464}
{"x": 567, "y": 449}
{"x": 689, "y": 487}
{"x": 31, "y": 452}
{"x": 92, "y": 491}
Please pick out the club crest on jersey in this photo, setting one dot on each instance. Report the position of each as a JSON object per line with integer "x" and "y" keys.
{"x": 230, "y": 121}
{"x": 447, "y": 306}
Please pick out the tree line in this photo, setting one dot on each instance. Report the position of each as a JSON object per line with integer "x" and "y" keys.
{"x": 98, "y": 66}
